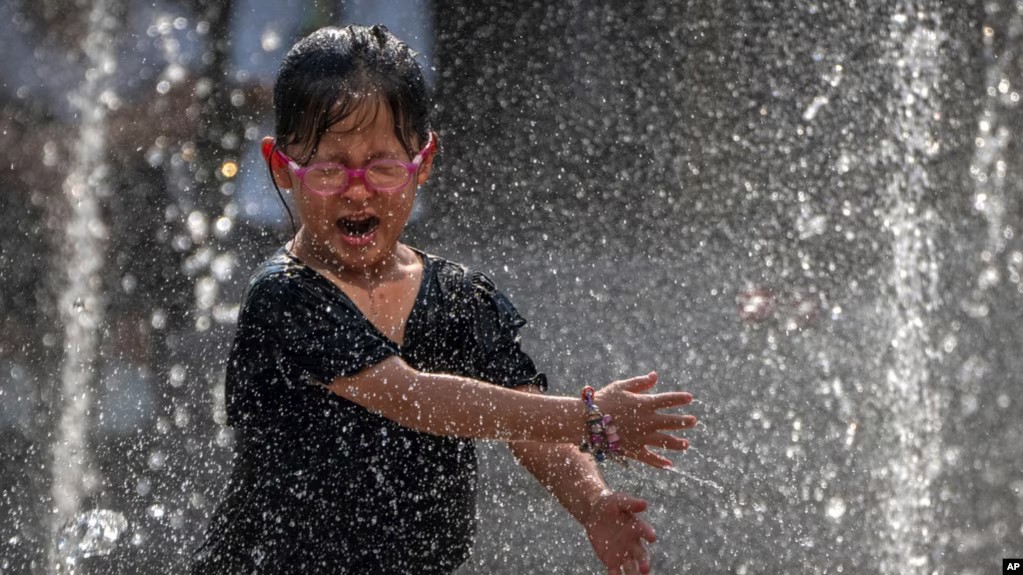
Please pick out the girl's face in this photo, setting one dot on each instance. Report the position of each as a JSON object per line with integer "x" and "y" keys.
{"x": 358, "y": 228}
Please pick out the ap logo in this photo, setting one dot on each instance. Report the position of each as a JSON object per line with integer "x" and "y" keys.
{"x": 1014, "y": 566}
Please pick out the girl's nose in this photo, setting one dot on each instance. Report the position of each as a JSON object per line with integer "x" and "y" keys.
{"x": 356, "y": 189}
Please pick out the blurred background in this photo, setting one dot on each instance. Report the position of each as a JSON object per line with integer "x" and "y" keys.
{"x": 803, "y": 211}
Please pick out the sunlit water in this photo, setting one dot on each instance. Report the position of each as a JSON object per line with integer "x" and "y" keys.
{"x": 94, "y": 533}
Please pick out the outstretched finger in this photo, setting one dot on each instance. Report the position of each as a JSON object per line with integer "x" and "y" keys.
{"x": 666, "y": 441}
{"x": 642, "y": 558}
{"x": 643, "y": 530}
{"x": 648, "y": 457}
{"x": 639, "y": 384}
{"x": 669, "y": 399}
{"x": 630, "y": 504}
{"x": 671, "y": 421}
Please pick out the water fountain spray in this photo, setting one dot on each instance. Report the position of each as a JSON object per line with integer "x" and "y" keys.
{"x": 81, "y": 303}
{"x": 915, "y": 405}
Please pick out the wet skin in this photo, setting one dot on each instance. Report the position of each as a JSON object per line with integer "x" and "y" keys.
{"x": 352, "y": 237}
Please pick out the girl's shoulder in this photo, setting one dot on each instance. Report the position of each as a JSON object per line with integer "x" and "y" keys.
{"x": 471, "y": 287}
{"x": 458, "y": 279}
{"x": 279, "y": 266}
{"x": 448, "y": 274}
{"x": 279, "y": 275}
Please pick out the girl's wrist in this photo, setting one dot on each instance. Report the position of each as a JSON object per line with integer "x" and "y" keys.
{"x": 592, "y": 513}
{"x": 600, "y": 438}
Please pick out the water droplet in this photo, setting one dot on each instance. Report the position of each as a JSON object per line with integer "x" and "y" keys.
{"x": 811, "y": 111}
{"x": 222, "y": 266}
{"x": 157, "y": 460}
{"x": 197, "y": 226}
{"x": 143, "y": 487}
{"x": 159, "y": 319}
{"x": 836, "y": 508}
{"x": 181, "y": 416}
{"x": 222, "y": 226}
{"x": 177, "y": 374}
{"x": 270, "y": 40}
{"x": 206, "y": 292}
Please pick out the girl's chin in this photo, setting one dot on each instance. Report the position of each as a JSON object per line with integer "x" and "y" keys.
{"x": 356, "y": 252}
{"x": 360, "y": 241}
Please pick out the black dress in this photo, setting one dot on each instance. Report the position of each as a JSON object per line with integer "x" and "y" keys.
{"x": 320, "y": 484}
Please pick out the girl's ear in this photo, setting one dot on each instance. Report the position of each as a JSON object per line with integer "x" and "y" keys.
{"x": 427, "y": 165}
{"x": 279, "y": 170}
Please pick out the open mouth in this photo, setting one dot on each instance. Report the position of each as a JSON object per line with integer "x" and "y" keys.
{"x": 358, "y": 229}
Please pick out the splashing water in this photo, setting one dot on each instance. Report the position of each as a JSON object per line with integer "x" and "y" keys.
{"x": 94, "y": 533}
{"x": 697, "y": 480}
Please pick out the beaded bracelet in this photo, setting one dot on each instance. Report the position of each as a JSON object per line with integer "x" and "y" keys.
{"x": 602, "y": 439}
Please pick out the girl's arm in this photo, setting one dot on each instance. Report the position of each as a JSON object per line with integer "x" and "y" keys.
{"x": 458, "y": 406}
{"x": 610, "y": 519}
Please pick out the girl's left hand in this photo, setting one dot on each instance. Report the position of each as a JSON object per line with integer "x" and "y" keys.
{"x": 640, "y": 419}
{"x": 617, "y": 533}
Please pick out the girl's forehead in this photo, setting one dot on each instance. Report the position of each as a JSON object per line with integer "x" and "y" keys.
{"x": 370, "y": 124}
{"x": 369, "y": 115}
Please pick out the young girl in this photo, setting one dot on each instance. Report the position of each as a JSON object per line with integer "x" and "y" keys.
{"x": 363, "y": 369}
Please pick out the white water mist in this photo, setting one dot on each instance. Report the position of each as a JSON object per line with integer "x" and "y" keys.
{"x": 81, "y": 302}
{"x": 914, "y": 402}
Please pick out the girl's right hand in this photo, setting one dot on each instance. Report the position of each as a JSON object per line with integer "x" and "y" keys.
{"x": 639, "y": 419}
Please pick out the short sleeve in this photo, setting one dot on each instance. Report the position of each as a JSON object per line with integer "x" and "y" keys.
{"x": 497, "y": 323}
{"x": 293, "y": 331}
{"x": 312, "y": 327}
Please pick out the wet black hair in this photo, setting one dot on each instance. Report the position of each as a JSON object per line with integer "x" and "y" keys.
{"x": 331, "y": 73}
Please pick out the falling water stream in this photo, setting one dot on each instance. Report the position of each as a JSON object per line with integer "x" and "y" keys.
{"x": 916, "y": 403}
{"x": 81, "y": 303}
